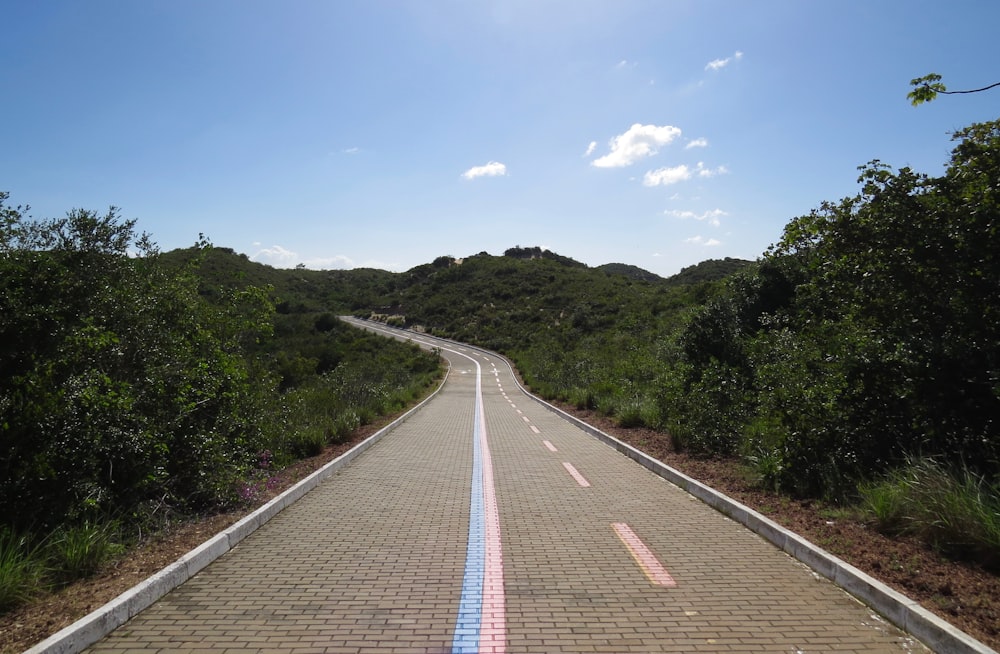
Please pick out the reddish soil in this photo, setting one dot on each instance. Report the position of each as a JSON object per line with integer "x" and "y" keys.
{"x": 964, "y": 595}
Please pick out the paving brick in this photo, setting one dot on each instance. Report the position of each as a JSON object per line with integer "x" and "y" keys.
{"x": 372, "y": 559}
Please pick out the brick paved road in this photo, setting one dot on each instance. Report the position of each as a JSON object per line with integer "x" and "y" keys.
{"x": 599, "y": 555}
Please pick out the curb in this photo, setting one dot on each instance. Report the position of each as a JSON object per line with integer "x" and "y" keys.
{"x": 102, "y": 621}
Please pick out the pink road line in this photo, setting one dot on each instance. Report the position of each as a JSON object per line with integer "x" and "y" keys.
{"x": 493, "y": 628}
{"x": 650, "y": 565}
{"x": 576, "y": 475}
{"x": 535, "y": 429}
{"x": 552, "y": 448}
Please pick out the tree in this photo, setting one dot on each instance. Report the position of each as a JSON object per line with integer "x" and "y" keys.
{"x": 926, "y": 88}
{"x": 119, "y": 383}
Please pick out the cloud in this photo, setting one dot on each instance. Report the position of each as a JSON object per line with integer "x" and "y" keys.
{"x": 711, "y": 172}
{"x": 281, "y": 257}
{"x": 638, "y": 142}
{"x": 590, "y": 149}
{"x": 625, "y": 63}
{"x": 666, "y": 176}
{"x": 701, "y": 240}
{"x": 492, "y": 169}
{"x": 276, "y": 256}
{"x": 354, "y": 150}
{"x": 712, "y": 216}
{"x": 719, "y": 64}
{"x": 339, "y": 262}
{"x": 697, "y": 143}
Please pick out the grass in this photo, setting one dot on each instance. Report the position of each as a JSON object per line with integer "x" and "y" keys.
{"x": 955, "y": 511}
{"x": 22, "y": 569}
{"x": 79, "y": 551}
{"x": 29, "y": 566}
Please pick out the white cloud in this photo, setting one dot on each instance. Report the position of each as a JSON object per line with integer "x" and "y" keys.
{"x": 712, "y": 216}
{"x": 351, "y": 150}
{"x": 710, "y": 172}
{"x": 701, "y": 240}
{"x": 666, "y": 176}
{"x": 339, "y": 262}
{"x": 281, "y": 257}
{"x": 276, "y": 256}
{"x": 492, "y": 169}
{"x": 697, "y": 143}
{"x": 719, "y": 64}
{"x": 590, "y": 149}
{"x": 638, "y": 142}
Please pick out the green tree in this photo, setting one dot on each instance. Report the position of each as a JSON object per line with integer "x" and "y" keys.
{"x": 120, "y": 385}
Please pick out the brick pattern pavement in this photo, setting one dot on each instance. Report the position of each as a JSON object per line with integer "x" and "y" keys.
{"x": 373, "y": 559}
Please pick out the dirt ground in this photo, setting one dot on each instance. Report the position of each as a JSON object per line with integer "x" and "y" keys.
{"x": 964, "y": 595}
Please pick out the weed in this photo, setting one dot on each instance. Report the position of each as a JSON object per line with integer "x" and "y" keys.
{"x": 955, "y": 511}
{"x": 79, "y": 551}
{"x": 628, "y": 414}
{"x": 21, "y": 569}
{"x": 766, "y": 466}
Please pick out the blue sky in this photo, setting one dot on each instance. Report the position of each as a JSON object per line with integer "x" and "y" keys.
{"x": 384, "y": 134}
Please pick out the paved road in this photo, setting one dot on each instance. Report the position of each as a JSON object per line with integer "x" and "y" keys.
{"x": 486, "y": 523}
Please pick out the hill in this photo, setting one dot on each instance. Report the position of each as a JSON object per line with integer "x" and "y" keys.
{"x": 630, "y": 271}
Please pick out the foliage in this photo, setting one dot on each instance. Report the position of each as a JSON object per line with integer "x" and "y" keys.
{"x": 78, "y": 551}
{"x": 120, "y": 386}
{"x": 956, "y": 510}
{"x": 21, "y": 569}
{"x": 926, "y": 88}
{"x": 867, "y": 334}
{"x": 141, "y": 386}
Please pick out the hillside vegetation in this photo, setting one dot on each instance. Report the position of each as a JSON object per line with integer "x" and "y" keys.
{"x": 857, "y": 360}
{"x": 137, "y": 390}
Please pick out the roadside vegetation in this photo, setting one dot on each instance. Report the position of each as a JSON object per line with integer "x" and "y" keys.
{"x": 136, "y": 391}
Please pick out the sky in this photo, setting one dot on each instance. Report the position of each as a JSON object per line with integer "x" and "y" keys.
{"x": 341, "y": 134}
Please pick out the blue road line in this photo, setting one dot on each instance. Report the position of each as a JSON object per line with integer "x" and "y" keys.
{"x": 470, "y": 609}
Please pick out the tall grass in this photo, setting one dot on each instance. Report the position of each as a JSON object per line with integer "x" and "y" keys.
{"x": 21, "y": 569}
{"x": 29, "y": 565}
{"x": 955, "y": 511}
{"x": 79, "y": 551}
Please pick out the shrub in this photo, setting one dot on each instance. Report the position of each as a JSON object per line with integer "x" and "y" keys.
{"x": 308, "y": 441}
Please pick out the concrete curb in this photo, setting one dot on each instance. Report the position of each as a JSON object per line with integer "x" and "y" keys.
{"x": 96, "y": 625}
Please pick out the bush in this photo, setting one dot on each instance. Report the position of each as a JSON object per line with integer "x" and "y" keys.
{"x": 308, "y": 441}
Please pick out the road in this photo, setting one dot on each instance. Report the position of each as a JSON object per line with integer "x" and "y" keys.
{"x": 486, "y": 523}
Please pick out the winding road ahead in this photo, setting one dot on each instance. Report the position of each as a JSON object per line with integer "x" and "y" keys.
{"x": 486, "y": 523}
